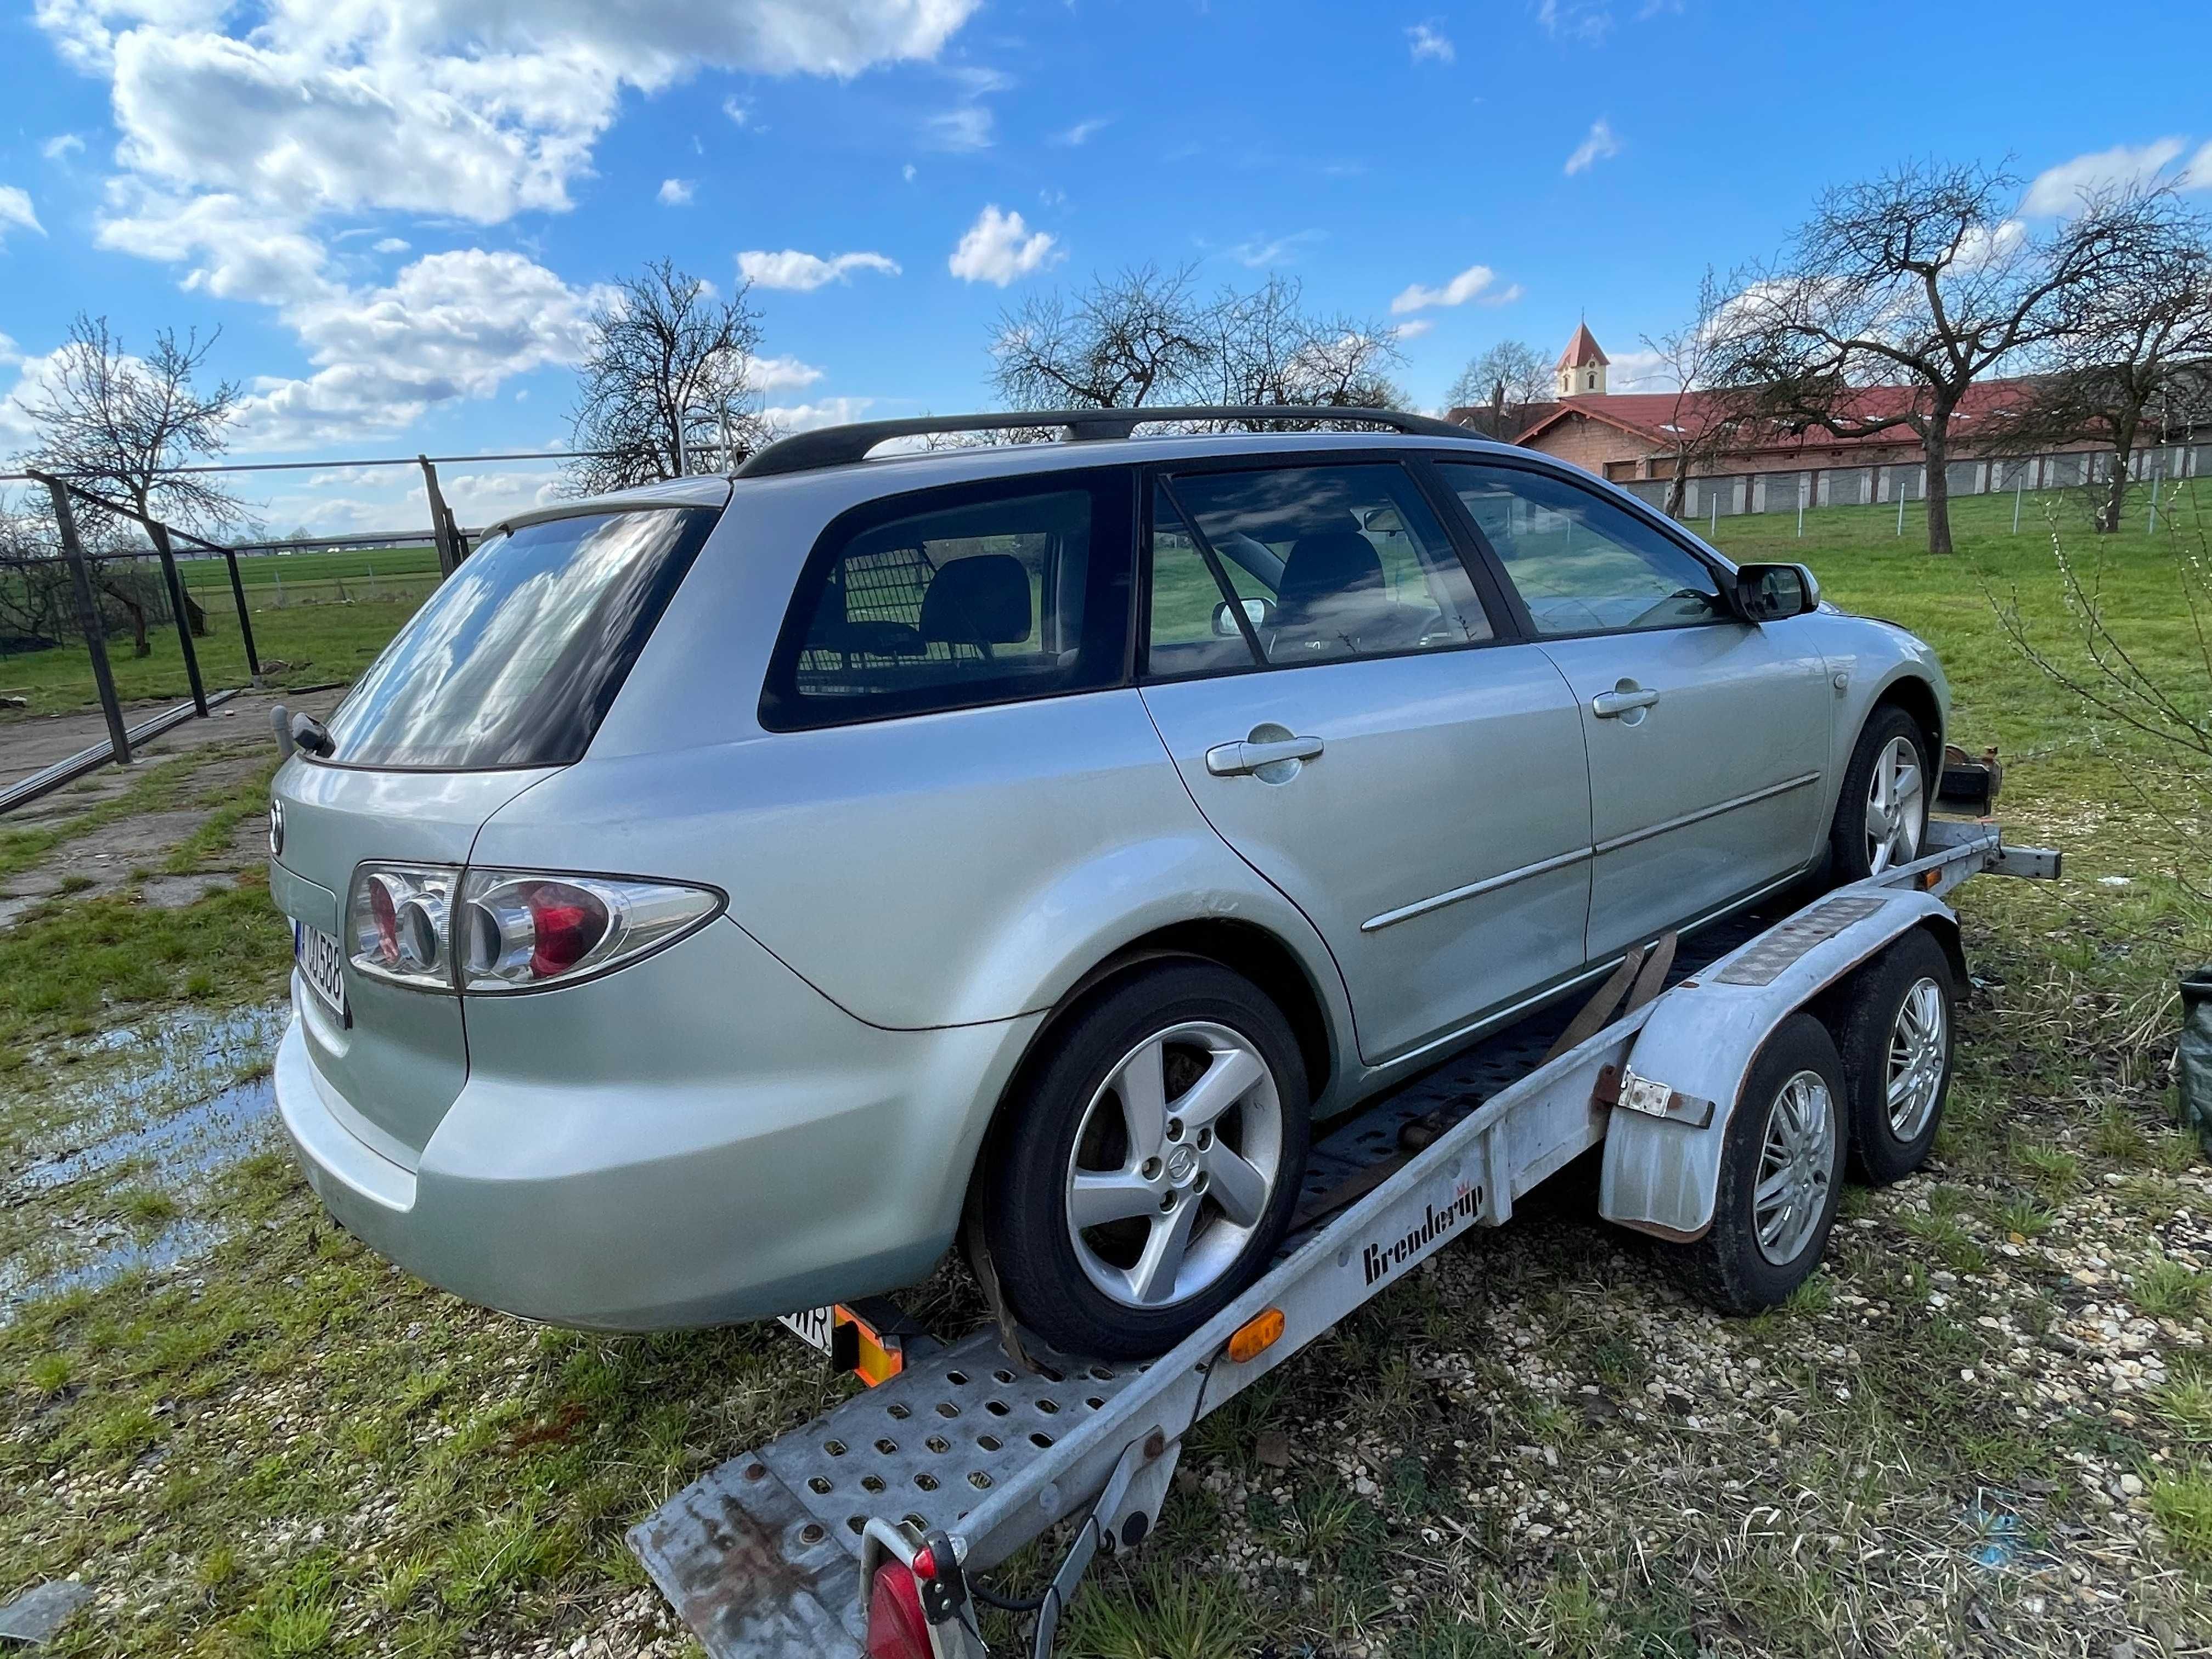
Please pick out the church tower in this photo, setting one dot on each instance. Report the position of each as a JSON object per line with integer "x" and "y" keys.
{"x": 1581, "y": 371}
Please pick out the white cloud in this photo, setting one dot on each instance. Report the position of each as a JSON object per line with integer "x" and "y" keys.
{"x": 676, "y": 192}
{"x": 61, "y": 146}
{"x": 1599, "y": 146}
{"x": 16, "y": 209}
{"x": 736, "y": 111}
{"x": 780, "y": 373}
{"x": 961, "y": 129}
{"x": 391, "y": 245}
{"x": 1585, "y": 21}
{"x": 804, "y": 272}
{"x": 1473, "y": 284}
{"x": 2060, "y": 189}
{"x": 235, "y": 250}
{"x": 998, "y": 247}
{"x": 1639, "y": 371}
{"x": 1429, "y": 43}
{"x": 907, "y": 172}
{"x": 1083, "y": 131}
{"x": 804, "y": 418}
{"x": 1413, "y": 327}
{"x": 1262, "y": 252}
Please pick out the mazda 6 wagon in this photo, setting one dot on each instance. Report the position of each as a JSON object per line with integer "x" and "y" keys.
{"x": 721, "y": 891}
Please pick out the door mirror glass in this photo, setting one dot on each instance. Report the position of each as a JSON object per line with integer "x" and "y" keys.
{"x": 1768, "y": 593}
{"x": 1258, "y": 611}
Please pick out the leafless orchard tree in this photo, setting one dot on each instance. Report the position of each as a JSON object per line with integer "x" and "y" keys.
{"x": 1507, "y": 377}
{"x": 1712, "y": 409}
{"x": 1143, "y": 336}
{"x": 2133, "y": 356}
{"x": 666, "y": 382}
{"x": 1918, "y": 279}
{"x": 121, "y": 427}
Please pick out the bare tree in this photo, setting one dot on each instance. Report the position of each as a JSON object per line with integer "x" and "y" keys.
{"x": 665, "y": 387}
{"x": 1135, "y": 337}
{"x": 123, "y": 427}
{"x": 2134, "y": 355}
{"x": 1510, "y": 376}
{"x": 1711, "y": 411}
{"x": 1143, "y": 336}
{"x": 1920, "y": 280}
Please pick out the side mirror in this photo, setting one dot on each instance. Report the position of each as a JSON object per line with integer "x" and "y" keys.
{"x": 1768, "y": 593}
{"x": 1258, "y": 612}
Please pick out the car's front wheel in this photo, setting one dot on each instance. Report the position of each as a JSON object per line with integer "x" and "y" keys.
{"x": 1150, "y": 1164}
{"x": 1882, "y": 814}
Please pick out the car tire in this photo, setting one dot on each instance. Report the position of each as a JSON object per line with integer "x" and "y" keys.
{"x": 1188, "y": 1205}
{"x": 1896, "y": 1031}
{"x": 1789, "y": 1121}
{"x": 1871, "y": 832}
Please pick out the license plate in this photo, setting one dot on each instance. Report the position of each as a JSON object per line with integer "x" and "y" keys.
{"x": 321, "y": 963}
{"x": 863, "y": 1344}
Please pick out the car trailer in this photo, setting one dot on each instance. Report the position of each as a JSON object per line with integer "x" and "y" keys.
{"x": 864, "y": 1532}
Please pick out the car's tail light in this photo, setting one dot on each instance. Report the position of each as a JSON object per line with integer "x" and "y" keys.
{"x": 400, "y": 916}
{"x": 896, "y": 1628}
{"x": 520, "y": 931}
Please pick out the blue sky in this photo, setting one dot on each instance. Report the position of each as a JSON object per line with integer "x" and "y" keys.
{"x": 397, "y": 215}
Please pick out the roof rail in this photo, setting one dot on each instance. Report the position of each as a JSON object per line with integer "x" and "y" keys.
{"x": 834, "y": 445}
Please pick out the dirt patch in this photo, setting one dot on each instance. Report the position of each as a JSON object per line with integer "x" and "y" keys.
{"x": 34, "y": 743}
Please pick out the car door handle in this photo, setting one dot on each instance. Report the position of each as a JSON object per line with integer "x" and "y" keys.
{"x": 1612, "y": 705}
{"x": 1234, "y": 760}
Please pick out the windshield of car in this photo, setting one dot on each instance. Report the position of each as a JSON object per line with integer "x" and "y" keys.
{"x": 517, "y": 657}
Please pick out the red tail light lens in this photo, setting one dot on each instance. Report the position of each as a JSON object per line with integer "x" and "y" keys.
{"x": 384, "y": 917}
{"x": 565, "y": 922}
{"x": 398, "y": 915}
{"x": 896, "y": 1629}
{"x": 521, "y": 931}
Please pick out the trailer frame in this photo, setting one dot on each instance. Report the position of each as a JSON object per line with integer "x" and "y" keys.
{"x": 962, "y": 1458}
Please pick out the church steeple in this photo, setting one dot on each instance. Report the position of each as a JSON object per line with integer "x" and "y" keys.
{"x": 1582, "y": 366}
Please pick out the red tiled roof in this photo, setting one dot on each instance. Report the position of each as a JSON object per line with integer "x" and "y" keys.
{"x": 1581, "y": 351}
{"x": 1653, "y": 415}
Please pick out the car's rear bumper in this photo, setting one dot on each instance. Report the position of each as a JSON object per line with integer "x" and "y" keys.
{"x": 699, "y": 1139}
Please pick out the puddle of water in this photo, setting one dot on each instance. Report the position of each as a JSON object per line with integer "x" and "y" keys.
{"x": 170, "y": 1103}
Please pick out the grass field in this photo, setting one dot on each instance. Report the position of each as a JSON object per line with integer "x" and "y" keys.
{"x": 272, "y": 571}
{"x": 1986, "y": 1427}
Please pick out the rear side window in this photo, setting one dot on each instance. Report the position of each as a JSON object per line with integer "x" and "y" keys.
{"x": 517, "y": 658}
{"x": 956, "y": 598}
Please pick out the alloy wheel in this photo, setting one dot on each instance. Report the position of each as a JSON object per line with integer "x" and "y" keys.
{"x": 1174, "y": 1162}
{"x": 1917, "y": 1051}
{"x": 1797, "y": 1165}
{"x": 1893, "y": 809}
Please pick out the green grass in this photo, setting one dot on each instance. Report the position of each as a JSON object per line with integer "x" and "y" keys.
{"x": 272, "y": 571}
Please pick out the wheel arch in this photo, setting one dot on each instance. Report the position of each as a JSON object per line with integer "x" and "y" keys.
{"x": 1246, "y": 948}
{"x": 1918, "y": 699}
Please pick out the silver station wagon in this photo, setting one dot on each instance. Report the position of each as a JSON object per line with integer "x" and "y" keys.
{"x": 720, "y": 892}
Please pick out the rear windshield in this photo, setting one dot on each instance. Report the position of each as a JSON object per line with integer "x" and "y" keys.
{"x": 517, "y": 657}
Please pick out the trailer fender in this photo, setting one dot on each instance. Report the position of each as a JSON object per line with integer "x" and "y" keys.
{"x": 1685, "y": 1070}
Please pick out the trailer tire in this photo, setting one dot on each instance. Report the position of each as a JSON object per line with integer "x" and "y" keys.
{"x": 1228, "y": 1178}
{"x": 1896, "y": 1034}
{"x": 1789, "y": 1123}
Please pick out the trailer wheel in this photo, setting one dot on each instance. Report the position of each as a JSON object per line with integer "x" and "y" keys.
{"x": 1152, "y": 1163}
{"x": 1896, "y": 1035}
{"x": 1782, "y": 1171}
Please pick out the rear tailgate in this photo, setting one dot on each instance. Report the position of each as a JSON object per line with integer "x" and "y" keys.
{"x": 395, "y": 1062}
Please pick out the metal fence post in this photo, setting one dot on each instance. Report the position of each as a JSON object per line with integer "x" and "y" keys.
{"x": 159, "y": 535}
{"x": 245, "y": 622}
{"x": 442, "y": 532}
{"x": 87, "y": 614}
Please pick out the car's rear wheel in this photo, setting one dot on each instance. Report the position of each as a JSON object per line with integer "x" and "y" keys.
{"x": 1882, "y": 814}
{"x": 1151, "y": 1162}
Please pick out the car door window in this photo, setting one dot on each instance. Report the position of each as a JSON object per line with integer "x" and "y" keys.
{"x": 985, "y": 597}
{"x": 1583, "y": 564}
{"x": 1326, "y": 563}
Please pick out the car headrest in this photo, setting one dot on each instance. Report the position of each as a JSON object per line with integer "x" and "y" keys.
{"x": 1327, "y": 563}
{"x": 983, "y": 599}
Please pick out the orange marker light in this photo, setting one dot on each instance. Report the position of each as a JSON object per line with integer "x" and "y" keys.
{"x": 1257, "y": 1335}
